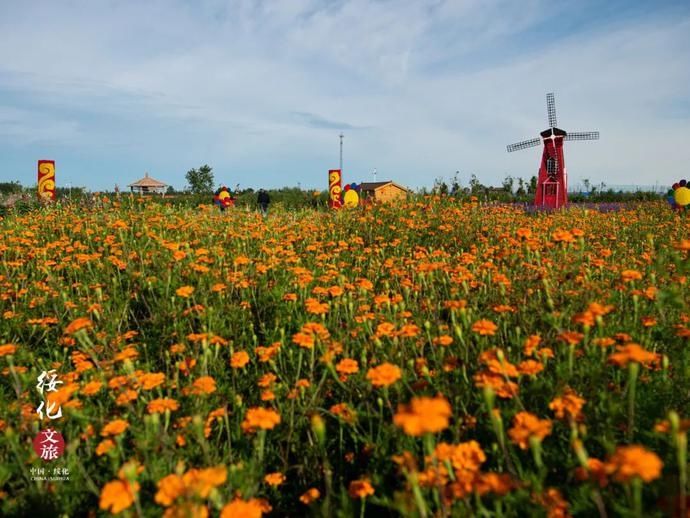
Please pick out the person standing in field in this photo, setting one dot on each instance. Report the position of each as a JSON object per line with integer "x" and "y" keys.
{"x": 263, "y": 199}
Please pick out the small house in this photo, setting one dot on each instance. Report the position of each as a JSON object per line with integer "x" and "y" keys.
{"x": 148, "y": 185}
{"x": 383, "y": 191}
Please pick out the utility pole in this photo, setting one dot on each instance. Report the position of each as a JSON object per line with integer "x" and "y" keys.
{"x": 341, "y": 153}
{"x": 374, "y": 174}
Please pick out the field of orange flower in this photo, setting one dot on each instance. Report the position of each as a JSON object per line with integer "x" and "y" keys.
{"x": 432, "y": 359}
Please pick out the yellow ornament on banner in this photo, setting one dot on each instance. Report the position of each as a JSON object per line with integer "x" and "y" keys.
{"x": 682, "y": 196}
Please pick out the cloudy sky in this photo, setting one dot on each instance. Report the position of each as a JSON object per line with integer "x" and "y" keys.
{"x": 261, "y": 89}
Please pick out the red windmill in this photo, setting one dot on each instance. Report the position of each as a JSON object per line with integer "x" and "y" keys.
{"x": 552, "y": 184}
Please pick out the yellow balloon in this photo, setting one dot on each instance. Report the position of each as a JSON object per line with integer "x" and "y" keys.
{"x": 682, "y": 196}
{"x": 351, "y": 198}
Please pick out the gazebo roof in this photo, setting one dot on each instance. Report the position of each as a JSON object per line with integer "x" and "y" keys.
{"x": 147, "y": 181}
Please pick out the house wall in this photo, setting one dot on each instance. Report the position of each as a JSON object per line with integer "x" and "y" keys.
{"x": 390, "y": 193}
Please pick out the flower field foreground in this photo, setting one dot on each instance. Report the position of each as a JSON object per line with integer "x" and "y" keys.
{"x": 433, "y": 359}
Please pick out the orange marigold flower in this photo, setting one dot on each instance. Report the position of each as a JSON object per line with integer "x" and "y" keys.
{"x": 384, "y": 375}
{"x": 344, "y": 411}
{"x": 443, "y": 340}
{"x": 158, "y": 406}
{"x": 239, "y": 359}
{"x": 151, "y": 380}
{"x": 310, "y": 496}
{"x": 238, "y": 508}
{"x": 568, "y": 405}
{"x": 466, "y": 456}
{"x": 562, "y": 236}
{"x": 630, "y": 275}
{"x": 423, "y": 415}
{"x": 503, "y": 389}
{"x": 484, "y": 327}
{"x": 274, "y": 479}
{"x": 115, "y": 427}
{"x": 170, "y": 488}
{"x": 304, "y": 340}
{"x": 552, "y": 500}
{"x": 104, "y": 447}
{"x": 496, "y": 483}
{"x": 185, "y": 291}
{"x": 118, "y": 495}
{"x": 634, "y": 461}
{"x": 360, "y": 489}
{"x": 263, "y": 418}
{"x": 632, "y": 353}
{"x": 204, "y": 385}
{"x": 571, "y": 337}
{"x": 7, "y": 349}
{"x": 531, "y": 343}
{"x": 385, "y": 329}
{"x": 530, "y": 367}
{"x": 526, "y": 426}
{"x": 78, "y": 324}
{"x": 347, "y": 366}
{"x": 290, "y": 297}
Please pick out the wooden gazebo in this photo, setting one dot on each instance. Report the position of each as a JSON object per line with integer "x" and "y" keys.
{"x": 148, "y": 185}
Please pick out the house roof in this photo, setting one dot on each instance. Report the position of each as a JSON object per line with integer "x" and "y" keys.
{"x": 147, "y": 181}
{"x": 372, "y": 186}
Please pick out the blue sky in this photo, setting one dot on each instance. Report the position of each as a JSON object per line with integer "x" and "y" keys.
{"x": 260, "y": 89}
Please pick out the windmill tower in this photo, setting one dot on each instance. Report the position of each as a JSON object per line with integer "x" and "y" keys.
{"x": 552, "y": 183}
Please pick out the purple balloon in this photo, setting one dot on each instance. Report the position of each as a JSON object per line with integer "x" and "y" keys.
{"x": 683, "y": 183}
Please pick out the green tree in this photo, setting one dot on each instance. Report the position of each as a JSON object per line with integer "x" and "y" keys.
{"x": 200, "y": 180}
{"x": 508, "y": 184}
{"x": 532, "y": 189}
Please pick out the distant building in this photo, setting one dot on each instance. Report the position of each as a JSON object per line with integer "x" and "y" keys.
{"x": 383, "y": 191}
{"x": 148, "y": 185}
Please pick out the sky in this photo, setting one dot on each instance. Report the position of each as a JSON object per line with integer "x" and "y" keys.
{"x": 260, "y": 90}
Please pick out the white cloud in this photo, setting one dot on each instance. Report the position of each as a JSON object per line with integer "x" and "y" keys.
{"x": 421, "y": 88}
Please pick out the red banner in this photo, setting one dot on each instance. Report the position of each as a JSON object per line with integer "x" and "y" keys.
{"x": 46, "y": 180}
{"x": 334, "y": 189}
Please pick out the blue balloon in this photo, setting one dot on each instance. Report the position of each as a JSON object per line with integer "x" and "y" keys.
{"x": 671, "y": 200}
{"x": 683, "y": 183}
{"x": 354, "y": 186}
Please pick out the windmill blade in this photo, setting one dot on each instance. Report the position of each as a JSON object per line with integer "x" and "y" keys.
{"x": 582, "y": 135}
{"x": 551, "y": 109}
{"x": 524, "y": 144}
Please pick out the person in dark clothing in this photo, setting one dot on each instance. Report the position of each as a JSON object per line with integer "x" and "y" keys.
{"x": 263, "y": 199}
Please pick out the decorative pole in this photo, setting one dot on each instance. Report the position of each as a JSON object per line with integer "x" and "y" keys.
{"x": 341, "y": 152}
{"x": 374, "y": 174}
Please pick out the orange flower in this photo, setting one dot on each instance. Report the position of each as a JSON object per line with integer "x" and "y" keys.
{"x": 204, "y": 385}
{"x": 562, "y": 236}
{"x": 158, "y": 406}
{"x": 632, "y": 353}
{"x": 238, "y": 508}
{"x": 526, "y": 426}
{"x": 310, "y": 496}
{"x": 91, "y": 388}
{"x": 347, "y": 366}
{"x": 263, "y": 418}
{"x": 384, "y": 375}
{"x": 78, "y": 325}
{"x": 385, "y": 329}
{"x": 530, "y": 367}
{"x": 7, "y": 349}
{"x": 170, "y": 488}
{"x": 443, "y": 340}
{"x": 531, "y": 344}
{"x": 104, "y": 447}
{"x": 634, "y": 461}
{"x": 151, "y": 380}
{"x": 185, "y": 291}
{"x": 274, "y": 479}
{"x": 568, "y": 405}
{"x": 118, "y": 495}
{"x": 630, "y": 275}
{"x": 484, "y": 327}
{"x": 423, "y": 415}
{"x": 571, "y": 337}
{"x": 115, "y": 427}
{"x": 360, "y": 489}
{"x": 344, "y": 411}
{"x": 239, "y": 359}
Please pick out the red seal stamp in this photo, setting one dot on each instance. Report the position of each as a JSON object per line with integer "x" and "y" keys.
{"x": 49, "y": 444}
